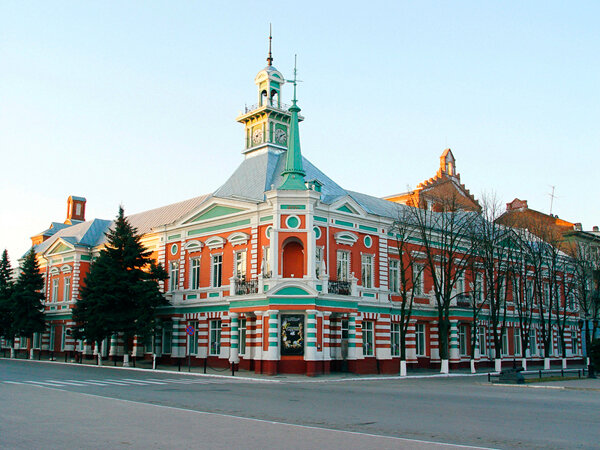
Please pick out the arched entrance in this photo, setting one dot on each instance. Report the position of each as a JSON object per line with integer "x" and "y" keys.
{"x": 293, "y": 258}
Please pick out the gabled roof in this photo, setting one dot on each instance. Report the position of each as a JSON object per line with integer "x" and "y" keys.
{"x": 85, "y": 234}
{"x": 54, "y": 228}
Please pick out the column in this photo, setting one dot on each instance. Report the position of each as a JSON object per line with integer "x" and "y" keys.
{"x": 225, "y": 334}
{"x": 202, "y": 337}
{"x": 327, "y": 342}
{"x": 178, "y": 340}
{"x": 411, "y": 342}
{"x": 310, "y": 355}
{"x": 434, "y": 342}
{"x": 235, "y": 339}
{"x": 352, "y": 336}
{"x": 272, "y": 354}
{"x": 383, "y": 339}
{"x": 454, "y": 346}
{"x": 257, "y": 341}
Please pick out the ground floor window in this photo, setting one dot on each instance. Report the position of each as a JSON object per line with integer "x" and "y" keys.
{"x": 242, "y": 337}
{"x": 192, "y": 341}
{"x": 36, "y": 340}
{"x": 504, "y": 342}
{"x": 51, "y": 343}
{"x": 517, "y": 339}
{"x": 167, "y": 337}
{"x": 574, "y": 342}
{"x": 462, "y": 340}
{"x": 367, "y": 336}
{"x": 395, "y": 339}
{"x": 482, "y": 341}
{"x": 215, "y": 337}
{"x": 533, "y": 349}
{"x": 63, "y": 338}
{"x": 420, "y": 339}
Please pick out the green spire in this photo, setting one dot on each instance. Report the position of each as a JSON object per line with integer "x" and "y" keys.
{"x": 293, "y": 174}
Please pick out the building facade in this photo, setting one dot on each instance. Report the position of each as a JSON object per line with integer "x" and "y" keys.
{"x": 280, "y": 270}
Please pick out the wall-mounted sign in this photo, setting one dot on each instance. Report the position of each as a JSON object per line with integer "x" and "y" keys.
{"x": 292, "y": 334}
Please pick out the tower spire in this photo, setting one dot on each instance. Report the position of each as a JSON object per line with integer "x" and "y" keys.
{"x": 270, "y": 57}
{"x": 293, "y": 174}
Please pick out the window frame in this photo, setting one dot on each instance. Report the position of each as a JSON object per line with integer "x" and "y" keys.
{"x": 420, "y": 340}
{"x": 343, "y": 265}
{"x": 215, "y": 330}
{"x": 216, "y": 270}
{"x": 194, "y": 273}
{"x": 368, "y": 327}
{"x": 173, "y": 275}
{"x": 67, "y": 289}
{"x": 192, "y": 341}
{"x": 394, "y": 275}
{"x": 395, "y": 339}
{"x": 242, "y": 337}
{"x": 367, "y": 271}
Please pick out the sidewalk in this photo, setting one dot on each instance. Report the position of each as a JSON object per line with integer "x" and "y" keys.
{"x": 591, "y": 384}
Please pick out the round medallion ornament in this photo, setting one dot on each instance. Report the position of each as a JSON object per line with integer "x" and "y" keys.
{"x": 368, "y": 241}
{"x": 174, "y": 249}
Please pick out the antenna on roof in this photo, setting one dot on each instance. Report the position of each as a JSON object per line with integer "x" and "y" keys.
{"x": 552, "y": 197}
{"x": 270, "y": 57}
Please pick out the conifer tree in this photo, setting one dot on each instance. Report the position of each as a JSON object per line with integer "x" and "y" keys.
{"x": 6, "y": 308}
{"x": 27, "y": 299}
{"x": 121, "y": 291}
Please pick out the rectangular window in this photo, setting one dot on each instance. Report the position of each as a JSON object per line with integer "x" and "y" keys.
{"x": 504, "y": 342}
{"x": 216, "y": 270}
{"x": 343, "y": 265}
{"x": 482, "y": 341}
{"x": 574, "y": 343}
{"x": 460, "y": 285}
{"x": 394, "y": 277}
{"x": 462, "y": 340}
{"x": 149, "y": 344}
{"x": 318, "y": 260}
{"x": 55, "y": 290}
{"x": 63, "y": 338}
{"x": 367, "y": 336}
{"x": 173, "y": 275}
{"x": 266, "y": 268}
{"x": 418, "y": 279}
{"x": 479, "y": 287}
{"x": 367, "y": 271}
{"x": 242, "y": 337}
{"x": 420, "y": 339}
{"x": 67, "y": 290}
{"x": 192, "y": 341}
{"x": 395, "y": 339}
{"x": 546, "y": 294}
{"x": 517, "y": 338}
{"x": 194, "y": 273}
{"x": 215, "y": 337}
{"x": 52, "y": 332}
{"x": 167, "y": 337}
{"x": 36, "y": 340}
{"x": 533, "y": 349}
{"x": 240, "y": 265}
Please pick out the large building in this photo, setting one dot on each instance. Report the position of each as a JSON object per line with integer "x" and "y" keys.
{"x": 279, "y": 270}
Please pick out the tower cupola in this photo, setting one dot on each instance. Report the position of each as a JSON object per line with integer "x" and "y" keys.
{"x": 267, "y": 123}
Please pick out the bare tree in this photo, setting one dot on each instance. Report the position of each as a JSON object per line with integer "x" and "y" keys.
{"x": 402, "y": 229}
{"x": 476, "y": 300}
{"x": 445, "y": 239}
{"x": 495, "y": 247}
{"x": 586, "y": 263}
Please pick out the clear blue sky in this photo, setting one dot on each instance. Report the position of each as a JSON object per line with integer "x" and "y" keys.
{"x": 135, "y": 102}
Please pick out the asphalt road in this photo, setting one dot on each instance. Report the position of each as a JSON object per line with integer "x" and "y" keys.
{"x": 52, "y": 405}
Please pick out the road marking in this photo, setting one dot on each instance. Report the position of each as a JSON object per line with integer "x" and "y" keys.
{"x": 44, "y": 383}
{"x": 138, "y": 383}
{"x": 112, "y": 382}
{"x": 145, "y": 380}
{"x": 73, "y": 383}
{"x": 93, "y": 382}
{"x": 13, "y": 382}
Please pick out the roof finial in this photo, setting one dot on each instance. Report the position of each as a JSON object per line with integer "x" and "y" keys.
{"x": 270, "y": 57}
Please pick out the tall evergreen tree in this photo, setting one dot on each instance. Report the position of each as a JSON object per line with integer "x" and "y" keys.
{"x": 6, "y": 306}
{"x": 27, "y": 299}
{"x": 121, "y": 290}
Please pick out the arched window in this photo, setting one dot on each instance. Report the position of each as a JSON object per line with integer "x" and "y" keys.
{"x": 263, "y": 98}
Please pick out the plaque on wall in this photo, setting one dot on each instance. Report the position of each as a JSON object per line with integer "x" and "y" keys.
{"x": 292, "y": 334}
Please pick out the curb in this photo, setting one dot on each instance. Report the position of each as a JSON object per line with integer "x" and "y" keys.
{"x": 263, "y": 380}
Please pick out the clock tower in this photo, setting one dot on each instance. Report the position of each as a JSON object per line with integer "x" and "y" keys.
{"x": 267, "y": 123}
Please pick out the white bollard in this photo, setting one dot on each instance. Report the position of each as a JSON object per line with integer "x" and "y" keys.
{"x": 445, "y": 368}
{"x": 402, "y": 368}
{"x": 564, "y": 363}
{"x": 546, "y": 363}
{"x": 473, "y": 366}
{"x": 524, "y": 363}
{"x": 126, "y": 360}
{"x": 498, "y": 364}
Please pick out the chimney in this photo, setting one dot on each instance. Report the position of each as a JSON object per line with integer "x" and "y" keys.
{"x": 75, "y": 209}
{"x": 595, "y": 228}
{"x": 577, "y": 226}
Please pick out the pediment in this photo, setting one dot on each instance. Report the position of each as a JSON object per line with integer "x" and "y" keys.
{"x": 292, "y": 290}
{"x": 348, "y": 205}
{"x": 215, "y": 242}
{"x": 345, "y": 237}
{"x": 213, "y": 211}
{"x": 59, "y": 247}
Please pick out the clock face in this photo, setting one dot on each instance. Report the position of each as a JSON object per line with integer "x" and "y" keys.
{"x": 257, "y": 136}
{"x": 280, "y": 136}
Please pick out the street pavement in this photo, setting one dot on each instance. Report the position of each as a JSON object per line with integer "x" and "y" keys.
{"x": 52, "y": 405}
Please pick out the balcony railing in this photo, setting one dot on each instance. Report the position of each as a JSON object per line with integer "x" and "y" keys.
{"x": 281, "y": 107}
{"x": 463, "y": 301}
{"x": 244, "y": 287}
{"x": 340, "y": 287}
